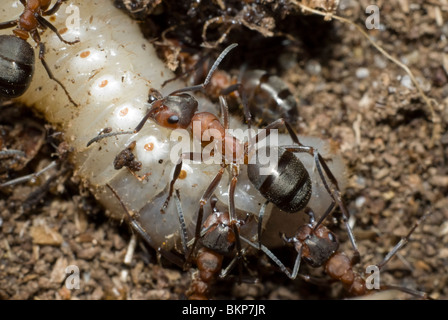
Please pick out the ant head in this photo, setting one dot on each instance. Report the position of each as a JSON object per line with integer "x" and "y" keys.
{"x": 219, "y": 236}
{"x": 318, "y": 244}
{"x": 174, "y": 111}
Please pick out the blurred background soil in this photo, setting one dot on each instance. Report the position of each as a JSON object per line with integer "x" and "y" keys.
{"x": 347, "y": 91}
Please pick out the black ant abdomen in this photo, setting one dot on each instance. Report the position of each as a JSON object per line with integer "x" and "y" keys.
{"x": 17, "y": 59}
{"x": 16, "y": 65}
{"x": 268, "y": 97}
{"x": 288, "y": 185}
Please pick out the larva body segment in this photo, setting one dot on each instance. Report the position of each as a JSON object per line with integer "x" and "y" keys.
{"x": 109, "y": 74}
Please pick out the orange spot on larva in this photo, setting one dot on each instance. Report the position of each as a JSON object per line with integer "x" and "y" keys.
{"x": 84, "y": 54}
{"x": 182, "y": 174}
{"x": 149, "y": 146}
{"x": 52, "y": 18}
{"x": 103, "y": 83}
{"x": 124, "y": 112}
{"x": 63, "y": 30}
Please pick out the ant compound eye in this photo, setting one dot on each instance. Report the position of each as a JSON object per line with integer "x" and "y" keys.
{"x": 152, "y": 98}
{"x": 173, "y": 119}
{"x": 154, "y": 95}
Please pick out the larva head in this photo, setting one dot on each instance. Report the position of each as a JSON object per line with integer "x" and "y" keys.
{"x": 174, "y": 111}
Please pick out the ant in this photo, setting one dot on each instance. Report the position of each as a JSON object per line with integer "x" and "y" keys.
{"x": 266, "y": 94}
{"x": 318, "y": 247}
{"x": 218, "y": 240}
{"x": 17, "y": 55}
{"x": 288, "y": 185}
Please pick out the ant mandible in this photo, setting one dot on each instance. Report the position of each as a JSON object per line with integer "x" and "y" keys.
{"x": 17, "y": 55}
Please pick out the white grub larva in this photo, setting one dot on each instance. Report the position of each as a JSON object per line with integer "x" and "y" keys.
{"x": 109, "y": 74}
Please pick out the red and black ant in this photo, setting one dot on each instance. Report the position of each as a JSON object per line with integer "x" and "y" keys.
{"x": 288, "y": 185}
{"x": 268, "y": 97}
{"x": 16, "y": 54}
{"x": 318, "y": 247}
{"x": 218, "y": 240}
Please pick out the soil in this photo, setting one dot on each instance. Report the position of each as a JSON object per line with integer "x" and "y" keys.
{"x": 396, "y": 155}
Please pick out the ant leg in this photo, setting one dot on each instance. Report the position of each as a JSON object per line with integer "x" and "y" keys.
{"x": 238, "y": 87}
{"x": 247, "y": 279}
{"x": 275, "y": 125}
{"x": 394, "y": 251}
{"x": 210, "y": 73}
{"x": 128, "y": 258}
{"x": 260, "y": 221}
{"x": 415, "y": 293}
{"x": 134, "y": 223}
{"x": 8, "y": 24}
{"x": 23, "y": 2}
{"x": 184, "y": 235}
{"x": 232, "y": 217}
{"x": 177, "y": 171}
{"x": 35, "y": 36}
{"x": 29, "y": 177}
{"x": 277, "y": 261}
{"x": 226, "y": 271}
{"x": 402, "y": 242}
{"x": 55, "y": 8}
{"x": 334, "y": 192}
{"x": 206, "y": 195}
{"x": 136, "y": 227}
{"x": 310, "y": 214}
{"x": 46, "y": 24}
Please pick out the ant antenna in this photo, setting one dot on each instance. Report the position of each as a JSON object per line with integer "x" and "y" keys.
{"x": 152, "y": 107}
{"x": 210, "y": 73}
{"x": 103, "y": 135}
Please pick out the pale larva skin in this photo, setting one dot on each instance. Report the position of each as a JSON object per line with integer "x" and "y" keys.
{"x": 109, "y": 74}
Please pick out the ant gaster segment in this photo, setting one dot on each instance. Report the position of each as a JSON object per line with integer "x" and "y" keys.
{"x": 268, "y": 97}
{"x": 16, "y": 54}
{"x": 318, "y": 246}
